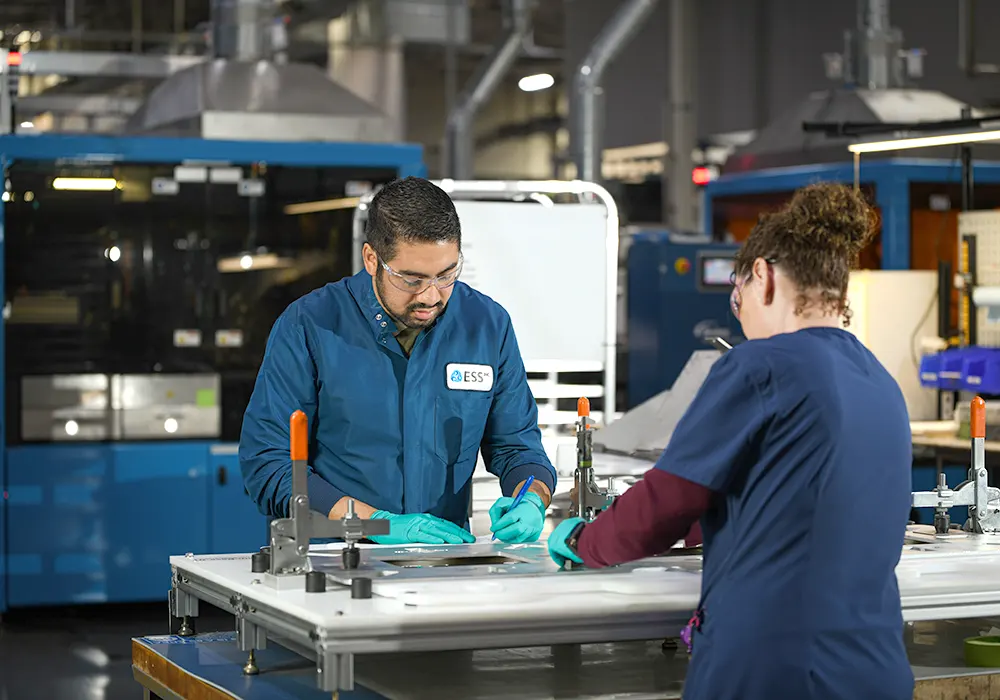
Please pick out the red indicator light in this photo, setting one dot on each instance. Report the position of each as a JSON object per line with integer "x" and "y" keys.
{"x": 701, "y": 176}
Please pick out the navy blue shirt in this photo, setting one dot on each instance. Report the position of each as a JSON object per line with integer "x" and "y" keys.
{"x": 805, "y": 439}
{"x": 400, "y": 434}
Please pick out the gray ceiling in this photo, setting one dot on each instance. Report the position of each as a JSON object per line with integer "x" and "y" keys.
{"x": 115, "y": 24}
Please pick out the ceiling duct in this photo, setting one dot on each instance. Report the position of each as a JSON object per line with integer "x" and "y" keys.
{"x": 876, "y": 96}
{"x": 244, "y": 93}
{"x": 587, "y": 112}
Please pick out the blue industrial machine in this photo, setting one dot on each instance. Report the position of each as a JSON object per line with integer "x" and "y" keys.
{"x": 678, "y": 300}
{"x": 141, "y": 278}
{"x": 898, "y": 186}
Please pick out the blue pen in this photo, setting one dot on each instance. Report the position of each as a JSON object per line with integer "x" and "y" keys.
{"x": 518, "y": 498}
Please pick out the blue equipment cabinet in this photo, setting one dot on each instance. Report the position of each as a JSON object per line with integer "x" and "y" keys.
{"x": 96, "y": 521}
{"x": 678, "y": 299}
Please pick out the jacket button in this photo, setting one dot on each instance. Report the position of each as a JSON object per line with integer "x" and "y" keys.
{"x": 383, "y": 324}
{"x": 378, "y": 317}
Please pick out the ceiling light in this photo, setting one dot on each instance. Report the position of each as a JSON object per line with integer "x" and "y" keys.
{"x": 246, "y": 261}
{"x": 85, "y": 184}
{"x": 322, "y": 205}
{"x": 532, "y": 83}
{"x": 27, "y": 125}
{"x": 924, "y": 142}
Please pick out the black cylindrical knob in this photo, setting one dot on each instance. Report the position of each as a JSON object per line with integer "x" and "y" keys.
{"x": 260, "y": 562}
{"x": 315, "y": 582}
{"x": 361, "y": 588}
{"x": 351, "y": 557}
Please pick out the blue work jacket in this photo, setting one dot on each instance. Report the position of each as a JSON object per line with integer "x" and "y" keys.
{"x": 400, "y": 434}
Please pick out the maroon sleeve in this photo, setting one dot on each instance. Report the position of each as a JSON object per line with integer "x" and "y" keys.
{"x": 646, "y": 520}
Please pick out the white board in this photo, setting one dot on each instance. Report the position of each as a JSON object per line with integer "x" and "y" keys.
{"x": 547, "y": 266}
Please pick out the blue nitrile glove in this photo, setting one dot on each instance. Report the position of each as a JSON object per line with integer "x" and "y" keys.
{"x": 523, "y": 523}
{"x": 420, "y": 528}
{"x": 558, "y": 549}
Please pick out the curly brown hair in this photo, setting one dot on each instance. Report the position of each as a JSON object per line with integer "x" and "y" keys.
{"x": 815, "y": 239}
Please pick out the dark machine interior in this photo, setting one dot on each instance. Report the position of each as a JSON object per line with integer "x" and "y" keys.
{"x": 99, "y": 281}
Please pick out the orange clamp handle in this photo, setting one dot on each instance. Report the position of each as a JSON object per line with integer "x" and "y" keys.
{"x": 299, "y": 429}
{"x": 583, "y": 407}
{"x": 977, "y": 418}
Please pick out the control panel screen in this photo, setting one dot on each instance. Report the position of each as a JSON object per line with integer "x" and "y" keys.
{"x": 717, "y": 271}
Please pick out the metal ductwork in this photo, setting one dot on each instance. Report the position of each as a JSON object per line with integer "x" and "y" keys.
{"x": 243, "y": 93}
{"x": 875, "y": 96}
{"x": 459, "y": 142}
{"x": 588, "y": 113}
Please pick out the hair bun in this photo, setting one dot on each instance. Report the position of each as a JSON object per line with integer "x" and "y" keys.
{"x": 833, "y": 216}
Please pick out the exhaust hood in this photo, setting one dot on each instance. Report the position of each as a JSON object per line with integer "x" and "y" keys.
{"x": 257, "y": 101}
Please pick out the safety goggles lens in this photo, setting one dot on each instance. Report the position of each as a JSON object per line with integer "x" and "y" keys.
{"x": 417, "y": 285}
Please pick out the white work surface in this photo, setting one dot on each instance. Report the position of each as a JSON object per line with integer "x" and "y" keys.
{"x": 488, "y": 606}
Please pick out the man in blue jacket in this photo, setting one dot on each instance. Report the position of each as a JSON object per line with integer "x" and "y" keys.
{"x": 405, "y": 374}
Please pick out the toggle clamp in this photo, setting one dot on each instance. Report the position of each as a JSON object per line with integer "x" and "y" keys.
{"x": 289, "y": 549}
{"x": 590, "y": 499}
{"x": 983, "y": 500}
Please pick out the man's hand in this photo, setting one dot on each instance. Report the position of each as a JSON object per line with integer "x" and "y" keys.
{"x": 523, "y": 523}
{"x": 420, "y": 528}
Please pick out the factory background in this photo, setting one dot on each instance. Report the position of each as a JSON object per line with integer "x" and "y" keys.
{"x": 176, "y": 173}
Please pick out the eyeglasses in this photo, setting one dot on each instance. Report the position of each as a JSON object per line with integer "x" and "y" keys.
{"x": 416, "y": 284}
{"x": 736, "y": 296}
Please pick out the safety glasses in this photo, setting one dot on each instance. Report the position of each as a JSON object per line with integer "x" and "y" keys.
{"x": 736, "y": 296}
{"x": 414, "y": 284}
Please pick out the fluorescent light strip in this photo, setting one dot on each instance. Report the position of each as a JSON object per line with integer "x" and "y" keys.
{"x": 924, "y": 142}
{"x": 322, "y": 205}
{"x": 85, "y": 184}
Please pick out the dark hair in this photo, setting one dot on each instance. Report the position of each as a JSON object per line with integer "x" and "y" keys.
{"x": 815, "y": 239}
{"x": 412, "y": 210}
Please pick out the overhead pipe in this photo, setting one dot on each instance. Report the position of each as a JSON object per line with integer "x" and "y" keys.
{"x": 679, "y": 192}
{"x": 459, "y": 144}
{"x": 967, "y": 42}
{"x": 587, "y": 135}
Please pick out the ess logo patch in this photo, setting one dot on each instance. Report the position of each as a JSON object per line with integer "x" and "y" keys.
{"x": 469, "y": 377}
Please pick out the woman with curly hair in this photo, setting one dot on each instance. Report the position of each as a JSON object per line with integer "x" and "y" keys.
{"x": 796, "y": 457}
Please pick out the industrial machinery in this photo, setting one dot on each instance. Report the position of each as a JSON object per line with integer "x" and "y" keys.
{"x": 329, "y": 607}
{"x": 678, "y": 302}
{"x": 142, "y": 276}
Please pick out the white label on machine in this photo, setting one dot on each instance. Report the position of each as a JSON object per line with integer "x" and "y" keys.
{"x": 229, "y": 339}
{"x": 469, "y": 377}
{"x": 184, "y": 338}
{"x": 165, "y": 186}
{"x": 225, "y": 176}
{"x": 190, "y": 173}
{"x": 250, "y": 188}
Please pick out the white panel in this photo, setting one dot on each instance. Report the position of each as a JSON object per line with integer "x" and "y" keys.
{"x": 547, "y": 267}
{"x": 893, "y": 310}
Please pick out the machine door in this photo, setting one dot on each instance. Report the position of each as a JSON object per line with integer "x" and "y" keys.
{"x": 159, "y": 492}
{"x": 61, "y": 505}
{"x": 237, "y": 526}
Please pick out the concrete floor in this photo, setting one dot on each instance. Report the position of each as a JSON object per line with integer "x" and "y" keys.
{"x": 81, "y": 653}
